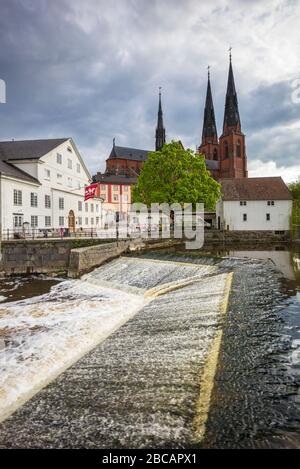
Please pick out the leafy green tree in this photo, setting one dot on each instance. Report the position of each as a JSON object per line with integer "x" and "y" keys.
{"x": 294, "y": 188}
{"x": 176, "y": 175}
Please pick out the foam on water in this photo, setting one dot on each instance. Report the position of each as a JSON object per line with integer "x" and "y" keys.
{"x": 42, "y": 336}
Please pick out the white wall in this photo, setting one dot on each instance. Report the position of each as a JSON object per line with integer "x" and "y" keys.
{"x": 55, "y": 188}
{"x": 231, "y": 215}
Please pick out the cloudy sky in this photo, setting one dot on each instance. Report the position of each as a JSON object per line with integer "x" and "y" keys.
{"x": 91, "y": 69}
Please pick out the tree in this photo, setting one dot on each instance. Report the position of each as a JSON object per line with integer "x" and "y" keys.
{"x": 294, "y": 188}
{"x": 176, "y": 175}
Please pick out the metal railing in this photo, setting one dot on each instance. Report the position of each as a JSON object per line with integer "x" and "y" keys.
{"x": 65, "y": 233}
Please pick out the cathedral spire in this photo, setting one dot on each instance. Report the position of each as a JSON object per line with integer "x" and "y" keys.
{"x": 209, "y": 132}
{"x": 160, "y": 135}
{"x": 231, "y": 114}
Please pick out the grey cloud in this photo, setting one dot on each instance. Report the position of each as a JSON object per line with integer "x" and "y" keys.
{"x": 91, "y": 70}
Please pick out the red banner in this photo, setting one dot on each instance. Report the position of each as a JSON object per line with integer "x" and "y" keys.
{"x": 90, "y": 191}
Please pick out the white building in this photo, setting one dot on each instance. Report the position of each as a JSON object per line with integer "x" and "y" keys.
{"x": 254, "y": 204}
{"x": 42, "y": 187}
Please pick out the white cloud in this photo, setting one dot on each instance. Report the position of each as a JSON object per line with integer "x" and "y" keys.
{"x": 257, "y": 168}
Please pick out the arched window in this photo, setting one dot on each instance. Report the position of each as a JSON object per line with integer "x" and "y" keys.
{"x": 215, "y": 155}
{"x": 226, "y": 150}
{"x": 238, "y": 149}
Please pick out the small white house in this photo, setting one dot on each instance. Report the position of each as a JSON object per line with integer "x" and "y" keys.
{"x": 256, "y": 204}
{"x": 42, "y": 187}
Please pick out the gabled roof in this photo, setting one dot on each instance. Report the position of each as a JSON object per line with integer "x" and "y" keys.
{"x": 115, "y": 179}
{"x": 264, "y": 188}
{"x": 231, "y": 114}
{"x": 127, "y": 153}
{"x": 9, "y": 170}
{"x": 28, "y": 149}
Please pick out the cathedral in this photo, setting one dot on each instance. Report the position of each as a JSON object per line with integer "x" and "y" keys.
{"x": 225, "y": 156}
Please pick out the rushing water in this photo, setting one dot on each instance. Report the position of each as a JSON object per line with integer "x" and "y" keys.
{"x": 256, "y": 398}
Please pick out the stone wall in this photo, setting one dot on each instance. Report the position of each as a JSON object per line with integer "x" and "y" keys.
{"x": 38, "y": 256}
{"x": 244, "y": 237}
{"x": 84, "y": 259}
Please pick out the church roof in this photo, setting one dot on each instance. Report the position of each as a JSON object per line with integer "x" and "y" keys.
{"x": 209, "y": 121}
{"x": 128, "y": 153}
{"x": 231, "y": 114}
{"x": 264, "y": 188}
{"x": 212, "y": 164}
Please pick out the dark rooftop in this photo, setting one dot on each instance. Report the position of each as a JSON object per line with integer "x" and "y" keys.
{"x": 28, "y": 149}
{"x": 264, "y": 188}
{"x": 129, "y": 153}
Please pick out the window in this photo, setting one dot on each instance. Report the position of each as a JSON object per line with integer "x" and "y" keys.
{"x": 78, "y": 167}
{"x": 78, "y": 185}
{"x": 69, "y": 163}
{"x": 92, "y": 208}
{"x": 97, "y": 208}
{"x": 86, "y": 207}
{"x": 125, "y": 188}
{"x": 244, "y": 216}
{"x": 59, "y": 178}
{"x": 215, "y": 156}
{"x": 116, "y": 198}
{"x": 61, "y": 203}
{"x": 268, "y": 217}
{"x": 125, "y": 198}
{"x": 79, "y": 206}
{"x": 92, "y": 221}
{"x": 103, "y": 187}
{"x": 47, "y": 201}
{"x": 86, "y": 221}
{"x": 17, "y": 197}
{"x": 61, "y": 221}
{"x": 47, "y": 220}
{"x": 34, "y": 221}
{"x": 18, "y": 221}
{"x": 69, "y": 149}
{"x": 116, "y": 188}
{"x": 33, "y": 199}
{"x": 69, "y": 182}
{"x": 243, "y": 202}
{"x": 58, "y": 158}
{"x": 271, "y": 202}
{"x": 80, "y": 221}
{"x": 97, "y": 220}
{"x": 238, "y": 149}
{"x": 226, "y": 150}
{"x": 47, "y": 174}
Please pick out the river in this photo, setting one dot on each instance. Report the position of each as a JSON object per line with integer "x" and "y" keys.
{"x": 255, "y": 402}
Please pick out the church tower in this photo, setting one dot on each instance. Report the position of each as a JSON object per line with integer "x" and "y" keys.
{"x": 160, "y": 134}
{"x": 209, "y": 144}
{"x": 233, "y": 159}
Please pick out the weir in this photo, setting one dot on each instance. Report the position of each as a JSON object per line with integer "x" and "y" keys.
{"x": 148, "y": 325}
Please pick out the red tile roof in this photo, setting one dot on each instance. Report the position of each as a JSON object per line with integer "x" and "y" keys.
{"x": 264, "y": 188}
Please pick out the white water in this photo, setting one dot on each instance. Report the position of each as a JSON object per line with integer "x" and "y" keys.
{"x": 42, "y": 336}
